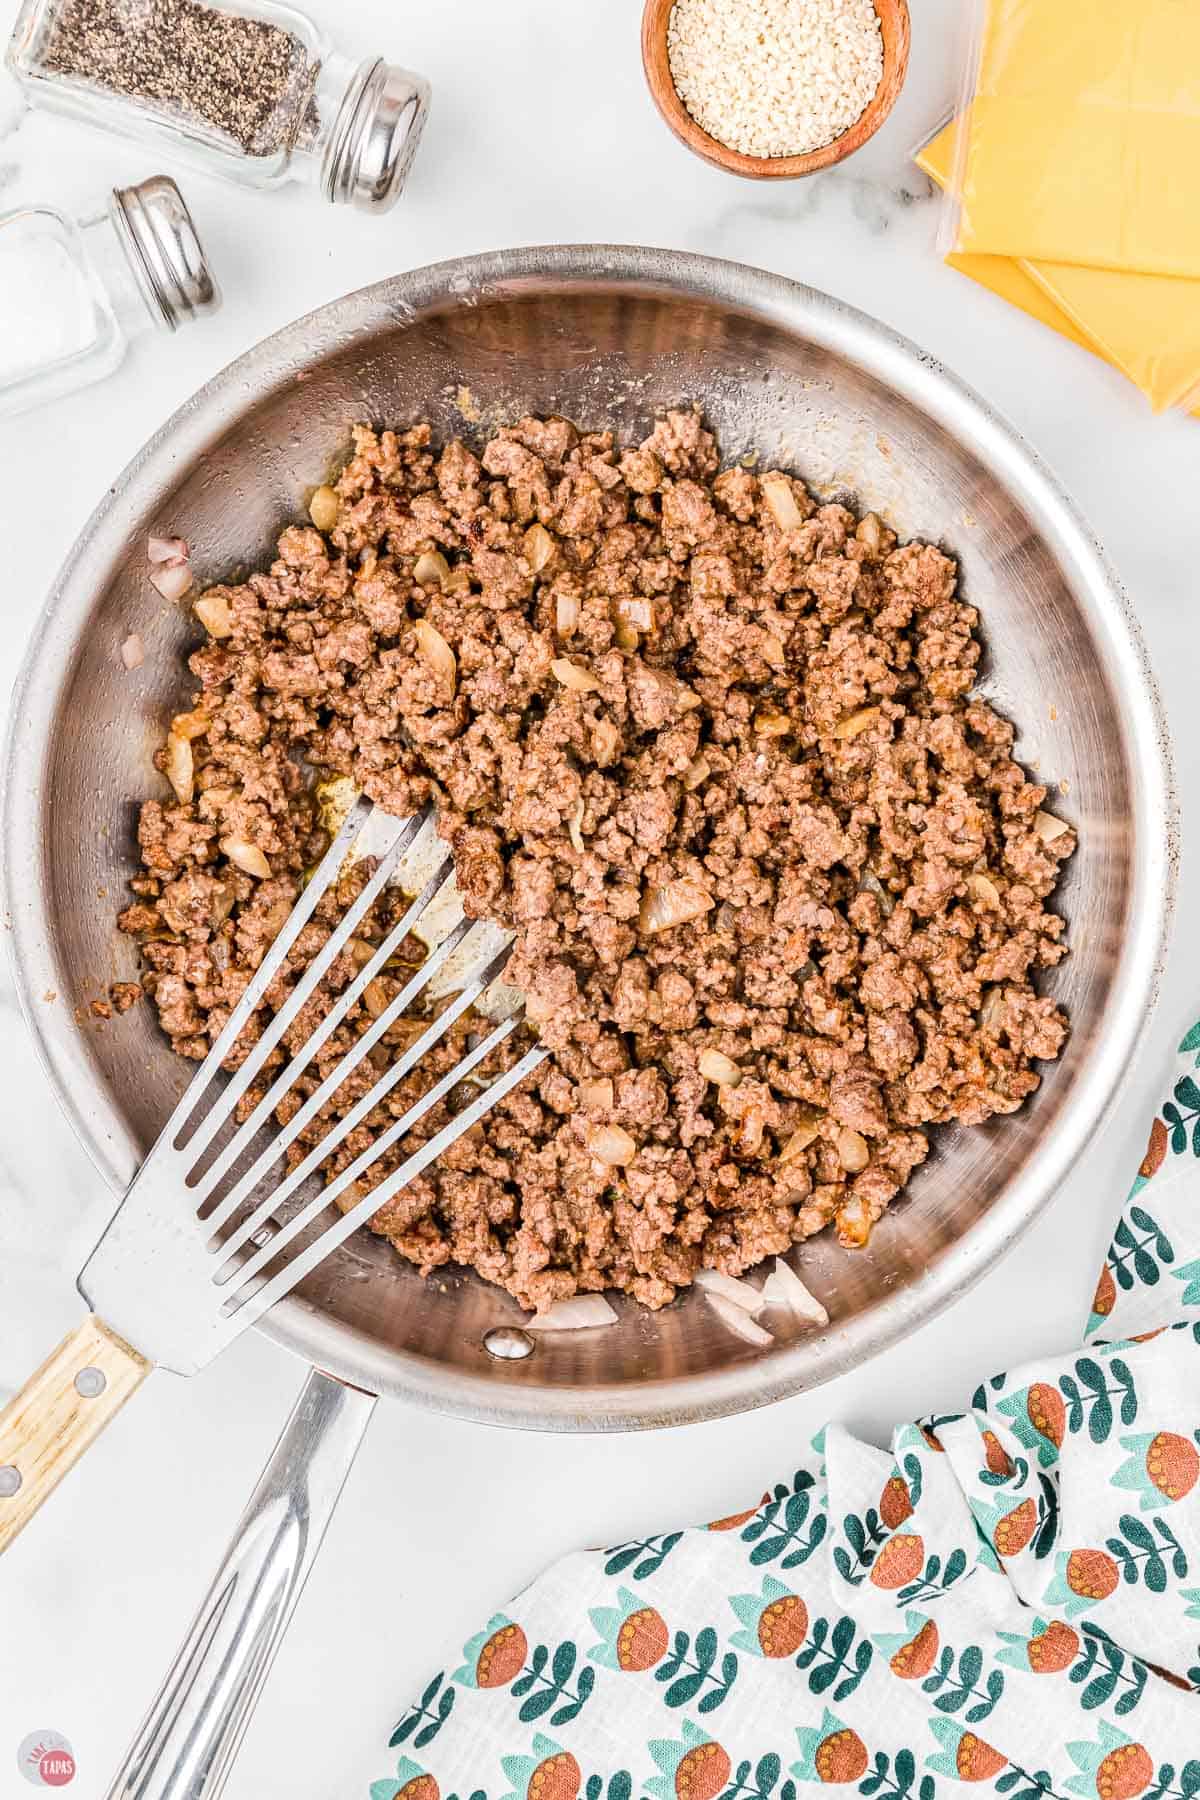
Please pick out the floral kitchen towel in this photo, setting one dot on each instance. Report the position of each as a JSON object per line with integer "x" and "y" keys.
{"x": 1009, "y": 1598}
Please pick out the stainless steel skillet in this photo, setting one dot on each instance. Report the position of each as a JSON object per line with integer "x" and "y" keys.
{"x": 605, "y": 335}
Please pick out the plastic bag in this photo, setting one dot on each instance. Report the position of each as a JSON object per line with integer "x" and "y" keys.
{"x": 1147, "y": 326}
{"x": 1083, "y": 141}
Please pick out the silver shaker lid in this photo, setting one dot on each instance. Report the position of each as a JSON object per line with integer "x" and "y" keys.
{"x": 375, "y": 136}
{"x": 164, "y": 250}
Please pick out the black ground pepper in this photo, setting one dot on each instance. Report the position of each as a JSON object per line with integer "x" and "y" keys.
{"x": 247, "y": 78}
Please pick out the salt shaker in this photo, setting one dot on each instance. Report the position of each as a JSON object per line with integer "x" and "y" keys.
{"x": 252, "y": 90}
{"x": 73, "y": 292}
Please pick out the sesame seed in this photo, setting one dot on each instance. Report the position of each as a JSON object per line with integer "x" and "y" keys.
{"x": 775, "y": 77}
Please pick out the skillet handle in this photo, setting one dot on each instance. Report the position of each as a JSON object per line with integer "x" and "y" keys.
{"x": 187, "y": 1743}
{"x": 63, "y": 1407}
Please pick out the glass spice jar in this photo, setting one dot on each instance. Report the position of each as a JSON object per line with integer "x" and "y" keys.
{"x": 249, "y": 90}
{"x": 73, "y": 292}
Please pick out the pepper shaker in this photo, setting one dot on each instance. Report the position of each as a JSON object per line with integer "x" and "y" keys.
{"x": 73, "y": 292}
{"x": 252, "y": 91}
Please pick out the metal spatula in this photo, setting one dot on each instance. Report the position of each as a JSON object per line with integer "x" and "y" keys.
{"x": 205, "y": 1239}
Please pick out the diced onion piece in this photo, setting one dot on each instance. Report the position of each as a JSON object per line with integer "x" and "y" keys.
{"x": 869, "y": 883}
{"x": 991, "y": 1013}
{"x": 431, "y": 569}
{"x": 246, "y": 857}
{"x": 625, "y": 637}
{"x": 770, "y": 723}
{"x": 581, "y": 681}
{"x": 739, "y": 1322}
{"x": 610, "y": 1144}
{"x": 361, "y": 952}
{"x": 801, "y": 1138}
{"x": 171, "y": 580}
{"x": 133, "y": 651}
{"x": 751, "y": 1127}
{"x": 738, "y": 1293}
{"x": 714, "y": 1066}
{"x": 437, "y": 653}
{"x": 853, "y": 1224}
{"x": 566, "y": 613}
{"x": 573, "y": 831}
{"x": 191, "y": 724}
{"x": 376, "y": 998}
{"x": 635, "y": 610}
{"x": 1048, "y": 828}
{"x": 985, "y": 890}
{"x": 323, "y": 508}
{"x": 870, "y": 533}
{"x": 783, "y": 1287}
{"x": 687, "y": 701}
{"x": 675, "y": 903}
{"x": 853, "y": 1151}
{"x": 605, "y": 740}
{"x": 178, "y": 767}
{"x": 772, "y": 650}
{"x": 855, "y": 722}
{"x": 214, "y": 613}
{"x": 576, "y": 1314}
{"x": 166, "y": 550}
{"x": 696, "y": 773}
{"x": 458, "y": 581}
{"x": 781, "y": 501}
{"x": 538, "y": 546}
{"x": 596, "y": 1096}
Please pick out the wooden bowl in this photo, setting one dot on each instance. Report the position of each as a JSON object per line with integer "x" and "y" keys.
{"x": 896, "y": 32}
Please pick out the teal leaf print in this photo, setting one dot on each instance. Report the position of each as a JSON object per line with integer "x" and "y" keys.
{"x": 424, "y": 1709}
{"x": 777, "y": 1529}
{"x": 1095, "y": 1403}
{"x": 1142, "y": 1559}
{"x": 1103, "y": 1668}
{"x": 539, "y": 1691}
{"x": 653, "y": 1551}
{"x": 620, "y": 1786}
{"x": 955, "y": 1688}
{"x": 1137, "y": 1259}
{"x": 934, "y": 1580}
{"x": 827, "y": 1658}
{"x": 758, "y": 1781}
{"x": 1191, "y": 1041}
{"x": 864, "y": 1537}
{"x": 703, "y": 1654}
{"x": 896, "y": 1779}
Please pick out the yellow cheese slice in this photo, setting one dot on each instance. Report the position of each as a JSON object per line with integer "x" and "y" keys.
{"x": 1084, "y": 144}
{"x": 1148, "y": 326}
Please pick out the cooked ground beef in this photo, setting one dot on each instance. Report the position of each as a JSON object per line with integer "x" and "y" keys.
{"x": 709, "y": 749}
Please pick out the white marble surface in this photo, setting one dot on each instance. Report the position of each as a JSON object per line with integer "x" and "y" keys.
{"x": 541, "y": 131}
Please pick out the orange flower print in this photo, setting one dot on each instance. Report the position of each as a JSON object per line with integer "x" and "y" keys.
{"x": 900, "y": 1561}
{"x": 548, "y": 1772}
{"x": 1156, "y": 1150}
{"x": 775, "y": 1621}
{"x": 895, "y": 1502}
{"x": 1015, "y": 1530}
{"x": 410, "y": 1783}
{"x": 1111, "y": 1767}
{"x": 633, "y": 1636}
{"x": 910, "y": 1653}
{"x": 1162, "y": 1467}
{"x": 1046, "y": 1412}
{"x": 734, "y": 1520}
{"x": 495, "y": 1656}
{"x": 1105, "y": 1297}
{"x": 964, "y": 1755}
{"x": 831, "y": 1752}
{"x": 692, "y": 1766}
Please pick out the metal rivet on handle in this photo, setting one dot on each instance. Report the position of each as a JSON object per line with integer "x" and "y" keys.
{"x": 507, "y": 1342}
{"x": 90, "y": 1382}
{"x": 10, "y": 1481}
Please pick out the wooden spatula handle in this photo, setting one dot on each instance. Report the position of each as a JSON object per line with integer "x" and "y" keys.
{"x": 63, "y": 1407}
